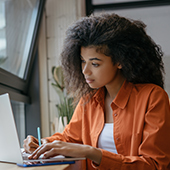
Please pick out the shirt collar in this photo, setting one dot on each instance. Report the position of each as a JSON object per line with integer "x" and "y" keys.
{"x": 123, "y": 95}
{"x": 100, "y": 96}
{"x": 121, "y": 98}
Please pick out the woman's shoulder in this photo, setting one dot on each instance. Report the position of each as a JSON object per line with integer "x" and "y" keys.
{"x": 147, "y": 89}
{"x": 96, "y": 95}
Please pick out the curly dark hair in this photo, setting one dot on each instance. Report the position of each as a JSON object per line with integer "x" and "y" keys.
{"x": 124, "y": 40}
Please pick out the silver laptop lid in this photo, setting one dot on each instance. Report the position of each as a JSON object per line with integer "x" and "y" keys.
{"x": 9, "y": 142}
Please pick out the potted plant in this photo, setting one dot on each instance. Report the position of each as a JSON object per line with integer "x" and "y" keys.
{"x": 65, "y": 106}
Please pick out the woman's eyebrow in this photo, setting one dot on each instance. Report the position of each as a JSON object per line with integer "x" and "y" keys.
{"x": 95, "y": 59}
{"x": 91, "y": 59}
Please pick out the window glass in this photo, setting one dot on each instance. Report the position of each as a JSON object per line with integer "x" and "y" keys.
{"x": 19, "y": 115}
{"x": 17, "y": 21}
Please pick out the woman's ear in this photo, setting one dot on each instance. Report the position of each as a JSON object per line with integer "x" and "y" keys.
{"x": 119, "y": 66}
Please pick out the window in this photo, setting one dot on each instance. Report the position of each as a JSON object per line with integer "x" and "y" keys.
{"x": 18, "y": 22}
{"x": 19, "y": 26}
{"x": 19, "y": 115}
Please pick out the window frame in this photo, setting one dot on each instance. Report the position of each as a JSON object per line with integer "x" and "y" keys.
{"x": 14, "y": 85}
{"x": 124, "y": 5}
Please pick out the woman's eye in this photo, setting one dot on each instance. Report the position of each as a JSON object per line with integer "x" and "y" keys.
{"x": 95, "y": 64}
{"x": 83, "y": 61}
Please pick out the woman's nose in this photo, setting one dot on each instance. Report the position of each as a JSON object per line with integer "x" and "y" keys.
{"x": 86, "y": 70}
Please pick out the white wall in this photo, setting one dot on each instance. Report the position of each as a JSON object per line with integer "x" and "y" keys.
{"x": 59, "y": 14}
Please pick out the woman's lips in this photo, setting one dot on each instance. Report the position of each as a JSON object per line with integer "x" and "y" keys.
{"x": 89, "y": 81}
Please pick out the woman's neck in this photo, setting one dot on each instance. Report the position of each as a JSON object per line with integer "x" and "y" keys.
{"x": 112, "y": 90}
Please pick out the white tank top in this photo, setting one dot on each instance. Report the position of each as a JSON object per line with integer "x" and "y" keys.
{"x": 106, "y": 140}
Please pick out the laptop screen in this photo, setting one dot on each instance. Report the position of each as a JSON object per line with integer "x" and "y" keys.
{"x": 9, "y": 143}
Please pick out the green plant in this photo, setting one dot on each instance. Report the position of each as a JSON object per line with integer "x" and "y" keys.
{"x": 65, "y": 106}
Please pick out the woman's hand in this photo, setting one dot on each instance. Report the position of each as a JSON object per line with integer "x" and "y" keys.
{"x": 31, "y": 143}
{"x": 67, "y": 149}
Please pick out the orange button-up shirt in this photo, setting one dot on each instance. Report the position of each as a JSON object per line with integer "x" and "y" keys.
{"x": 141, "y": 114}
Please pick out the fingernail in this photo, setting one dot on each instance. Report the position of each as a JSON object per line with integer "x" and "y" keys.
{"x": 35, "y": 157}
{"x": 43, "y": 156}
{"x": 30, "y": 157}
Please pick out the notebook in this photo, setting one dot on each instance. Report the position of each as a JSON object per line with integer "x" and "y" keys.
{"x": 10, "y": 150}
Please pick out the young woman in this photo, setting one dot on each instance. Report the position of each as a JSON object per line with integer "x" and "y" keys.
{"x": 122, "y": 120}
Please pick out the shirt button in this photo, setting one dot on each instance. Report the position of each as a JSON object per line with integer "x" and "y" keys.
{"x": 117, "y": 139}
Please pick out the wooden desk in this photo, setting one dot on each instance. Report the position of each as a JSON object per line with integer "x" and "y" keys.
{"x": 9, "y": 166}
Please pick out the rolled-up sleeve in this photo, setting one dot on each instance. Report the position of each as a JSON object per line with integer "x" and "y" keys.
{"x": 73, "y": 131}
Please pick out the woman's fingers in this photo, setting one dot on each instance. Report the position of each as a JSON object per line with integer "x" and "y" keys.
{"x": 50, "y": 153}
{"x": 60, "y": 148}
{"x": 47, "y": 149}
{"x": 40, "y": 150}
{"x": 30, "y": 144}
{"x": 43, "y": 141}
{"x": 67, "y": 149}
{"x": 35, "y": 153}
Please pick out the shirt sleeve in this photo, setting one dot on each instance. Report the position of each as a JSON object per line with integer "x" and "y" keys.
{"x": 154, "y": 150}
{"x": 72, "y": 132}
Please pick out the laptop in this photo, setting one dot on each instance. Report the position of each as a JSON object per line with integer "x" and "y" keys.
{"x": 10, "y": 150}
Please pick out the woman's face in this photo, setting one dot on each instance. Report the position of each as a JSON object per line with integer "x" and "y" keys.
{"x": 98, "y": 69}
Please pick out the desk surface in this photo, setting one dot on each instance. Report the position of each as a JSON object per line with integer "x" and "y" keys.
{"x": 9, "y": 166}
